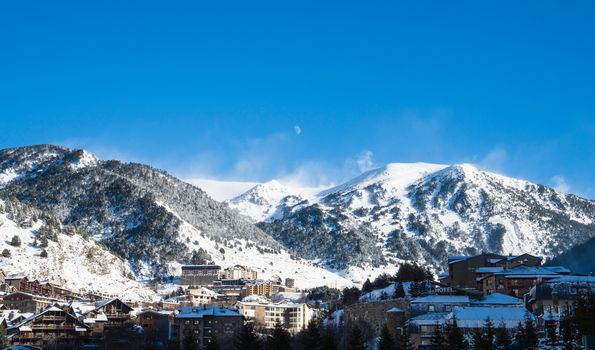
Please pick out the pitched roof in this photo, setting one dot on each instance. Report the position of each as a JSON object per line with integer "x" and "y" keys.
{"x": 51, "y": 308}
{"x": 498, "y": 299}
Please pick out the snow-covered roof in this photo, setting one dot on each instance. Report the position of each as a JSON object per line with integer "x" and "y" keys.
{"x": 442, "y": 299}
{"x": 200, "y": 312}
{"x": 394, "y": 309}
{"x": 498, "y": 299}
{"x": 558, "y": 269}
{"x": 431, "y": 318}
{"x": 489, "y": 269}
{"x": 474, "y": 316}
{"x": 256, "y": 299}
{"x": 573, "y": 279}
{"x": 526, "y": 271}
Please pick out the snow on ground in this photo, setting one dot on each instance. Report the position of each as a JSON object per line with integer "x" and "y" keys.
{"x": 77, "y": 263}
{"x": 307, "y": 274}
{"x": 377, "y": 294}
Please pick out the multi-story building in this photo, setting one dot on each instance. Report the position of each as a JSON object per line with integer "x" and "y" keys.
{"x": 157, "y": 324}
{"x": 266, "y": 289}
{"x": 112, "y": 313}
{"x": 552, "y": 298}
{"x": 45, "y": 288}
{"x": 518, "y": 280}
{"x": 206, "y": 323}
{"x": 238, "y": 272}
{"x": 200, "y": 296}
{"x": 200, "y": 275}
{"x": 26, "y": 302}
{"x": 293, "y": 316}
{"x": 52, "y": 328}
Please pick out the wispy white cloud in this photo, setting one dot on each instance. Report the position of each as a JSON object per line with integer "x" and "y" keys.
{"x": 297, "y": 129}
{"x": 365, "y": 162}
{"x": 560, "y": 184}
{"x": 495, "y": 160}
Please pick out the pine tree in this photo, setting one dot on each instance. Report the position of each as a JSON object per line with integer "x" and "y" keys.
{"x": 247, "y": 339}
{"x": 519, "y": 335}
{"x": 566, "y": 330}
{"x": 356, "y": 339}
{"x": 311, "y": 336}
{"x": 3, "y": 339}
{"x": 6, "y": 253}
{"x": 386, "y": 341}
{"x": 489, "y": 333}
{"x": 583, "y": 319}
{"x": 503, "y": 340}
{"x": 189, "y": 342}
{"x": 43, "y": 254}
{"x": 279, "y": 339}
{"x": 328, "y": 339}
{"x": 404, "y": 340}
{"x": 551, "y": 330}
{"x": 437, "y": 342}
{"x": 15, "y": 241}
{"x": 454, "y": 336}
{"x": 415, "y": 289}
{"x": 479, "y": 341}
{"x": 367, "y": 287}
{"x": 399, "y": 291}
{"x": 530, "y": 333}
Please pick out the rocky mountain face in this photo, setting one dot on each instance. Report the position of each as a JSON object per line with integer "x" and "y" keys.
{"x": 420, "y": 212}
{"x": 143, "y": 215}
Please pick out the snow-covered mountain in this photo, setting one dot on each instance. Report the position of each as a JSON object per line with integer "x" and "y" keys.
{"x": 147, "y": 217}
{"x": 420, "y": 212}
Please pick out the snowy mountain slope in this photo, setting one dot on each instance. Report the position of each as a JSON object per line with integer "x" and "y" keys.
{"x": 77, "y": 262}
{"x": 221, "y": 190}
{"x": 423, "y": 212}
{"x": 150, "y": 219}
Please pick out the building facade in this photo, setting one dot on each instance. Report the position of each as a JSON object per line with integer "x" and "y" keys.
{"x": 200, "y": 275}
{"x": 206, "y": 323}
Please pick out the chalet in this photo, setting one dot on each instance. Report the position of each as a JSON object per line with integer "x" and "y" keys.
{"x": 157, "y": 324}
{"x": 203, "y": 324}
{"x": 112, "y": 313}
{"x": 53, "y": 327}
{"x": 516, "y": 281}
{"x": 199, "y": 275}
{"x": 552, "y": 298}
{"x": 466, "y": 271}
{"x": 26, "y": 302}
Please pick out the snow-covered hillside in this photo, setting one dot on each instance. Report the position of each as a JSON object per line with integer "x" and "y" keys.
{"x": 76, "y": 262}
{"x": 421, "y": 212}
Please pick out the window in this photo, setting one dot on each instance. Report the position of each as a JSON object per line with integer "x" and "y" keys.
{"x": 430, "y": 307}
{"x": 447, "y": 308}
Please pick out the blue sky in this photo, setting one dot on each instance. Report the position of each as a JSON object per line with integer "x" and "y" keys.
{"x": 217, "y": 90}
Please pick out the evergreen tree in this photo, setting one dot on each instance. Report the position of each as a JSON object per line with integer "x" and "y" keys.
{"x": 503, "y": 339}
{"x": 355, "y": 339}
{"x": 3, "y": 339}
{"x": 311, "y": 336}
{"x": 519, "y": 335}
{"x": 15, "y": 241}
{"x": 189, "y": 342}
{"x": 279, "y": 339}
{"x": 6, "y": 253}
{"x": 437, "y": 342}
{"x": 415, "y": 289}
{"x": 566, "y": 330}
{"x": 530, "y": 333}
{"x": 583, "y": 315}
{"x": 43, "y": 253}
{"x": 489, "y": 333}
{"x": 367, "y": 287}
{"x": 247, "y": 339}
{"x": 399, "y": 291}
{"x": 479, "y": 341}
{"x": 328, "y": 339}
{"x": 351, "y": 295}
{"x": 551, "y": 330}
{"x": 404, "y": 340}
{"x": 386, "y": 341}
{"x": 454, "y": 336}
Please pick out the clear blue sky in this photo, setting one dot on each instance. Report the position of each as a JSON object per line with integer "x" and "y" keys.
{"x": 216, "y": 90}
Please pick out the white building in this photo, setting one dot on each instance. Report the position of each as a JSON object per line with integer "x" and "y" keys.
{"x": 293, "y": 316}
